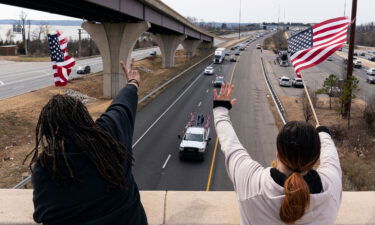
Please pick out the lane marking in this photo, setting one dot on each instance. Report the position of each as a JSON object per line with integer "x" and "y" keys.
{"x": 199, "y": 104}
{"x": 212, "y": 165}
{"x": 165, "y": 111}
{"x": 1, "y": 83}
{"x": 166, "y": 161}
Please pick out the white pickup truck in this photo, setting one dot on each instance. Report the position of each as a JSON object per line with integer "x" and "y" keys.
{"x": 195, "y": 139}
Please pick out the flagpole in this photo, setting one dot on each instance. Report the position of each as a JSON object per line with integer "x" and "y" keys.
{"x": 311, "y": 104}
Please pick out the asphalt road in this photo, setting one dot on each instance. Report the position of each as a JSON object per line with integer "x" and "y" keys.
{"x": 157, "y": 165}
{"x": 21, "y": 77}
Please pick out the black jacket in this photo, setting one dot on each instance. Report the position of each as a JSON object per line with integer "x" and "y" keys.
{"x": 87, "y": 201}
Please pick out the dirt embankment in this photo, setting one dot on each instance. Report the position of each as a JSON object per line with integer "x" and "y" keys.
{"x": 18, "y": 115}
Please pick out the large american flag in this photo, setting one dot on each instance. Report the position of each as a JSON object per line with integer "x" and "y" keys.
{"x": 315, "y": 44}
{"x": 61, "y": 61}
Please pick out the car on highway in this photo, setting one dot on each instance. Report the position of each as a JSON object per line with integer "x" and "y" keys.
{"x": 371, "y": 71}
{"x": 219, "y": 80}
{"x": 233, "y": 48}
{"x": 84, "y": 69}
{"x": 330, "y": 58}
{"x": 195, "y": 139}
{"x": 297, "y": 82}
{"x": 370, "y": 79}
{"x": 340, "y": 49}
{"x": 209, "y": 70}
{"x": 259, "y": 46}
{"x": 237, "y": 53}
{"x": 362, "y": 54}
{"x": 355, "y": 53}
{"x": 153, "y": 53}
{"x": 285, "y": 81}
{"x": 233, "y": 58}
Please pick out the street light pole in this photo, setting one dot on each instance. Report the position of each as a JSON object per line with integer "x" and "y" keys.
{"x": 239, "y": 22}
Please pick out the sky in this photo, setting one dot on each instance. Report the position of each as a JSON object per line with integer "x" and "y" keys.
{"x": 253, "y": 11}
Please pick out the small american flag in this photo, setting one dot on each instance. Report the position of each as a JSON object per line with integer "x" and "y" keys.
{"x": 61, "y": 61}
{"x": 315, "y": 44}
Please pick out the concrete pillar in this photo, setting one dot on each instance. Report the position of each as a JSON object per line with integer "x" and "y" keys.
{"x": 204, "y": 46}
{"x": 190, "y": 46}
{"x": 168, "y": 45}
{"x": 115, "y": 42}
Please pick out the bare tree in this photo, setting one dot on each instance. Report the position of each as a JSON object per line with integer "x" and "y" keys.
{"x": 22, "y": 22}
{"x": 9, "y": 35}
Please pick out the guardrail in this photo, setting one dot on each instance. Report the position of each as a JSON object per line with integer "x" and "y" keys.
{"x": 275, "y": 98}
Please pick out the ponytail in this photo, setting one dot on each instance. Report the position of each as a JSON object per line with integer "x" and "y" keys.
{"x": 296, "y": 200}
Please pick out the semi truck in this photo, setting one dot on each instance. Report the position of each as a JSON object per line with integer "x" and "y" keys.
{"x": 219, "y": 55}
{"x": 283, "y": 58}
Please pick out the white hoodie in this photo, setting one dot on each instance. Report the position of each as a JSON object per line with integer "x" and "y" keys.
{"x": 260, "y": 197}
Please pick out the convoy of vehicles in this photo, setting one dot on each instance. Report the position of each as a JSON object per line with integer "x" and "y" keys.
{"x": 195, "y": 139}
{"x": 219, "y": 55}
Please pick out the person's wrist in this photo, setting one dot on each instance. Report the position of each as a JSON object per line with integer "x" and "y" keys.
{"x": 223, "y": 103}
{"x": 134, "y": 82}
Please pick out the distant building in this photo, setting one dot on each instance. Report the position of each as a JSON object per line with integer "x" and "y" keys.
{"x": 8, "y": 50}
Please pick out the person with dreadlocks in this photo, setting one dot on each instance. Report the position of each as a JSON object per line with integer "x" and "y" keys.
{"x": 81, "y": 169}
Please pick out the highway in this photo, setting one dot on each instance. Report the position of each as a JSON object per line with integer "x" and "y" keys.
{"x": 156, "y": 146}
{"x": 21, "y": 77}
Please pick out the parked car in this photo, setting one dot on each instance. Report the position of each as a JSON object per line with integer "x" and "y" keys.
{"x": 285, "y": 81}
{"x": 370, "y": 79}
{"x": 233, "y": 58}
{"x": 371, "y": 58}
{"x": 219, "y": 80}
{"x": 297, "y": 82}
{"x": 209, "y": 70}
{"x": 84, "y": 69}
{"x": 371, "y": 71}
{"x": 333, "y": 91}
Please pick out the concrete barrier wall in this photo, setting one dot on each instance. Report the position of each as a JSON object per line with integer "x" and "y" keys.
{"x": 189, "y": 207}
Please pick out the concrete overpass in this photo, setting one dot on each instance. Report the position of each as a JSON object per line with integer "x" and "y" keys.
{"x": 115, "y": 26}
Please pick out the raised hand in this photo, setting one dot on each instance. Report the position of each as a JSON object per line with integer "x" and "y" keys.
{"x": 132, "y": 75}
{"x": 225, "y": 94}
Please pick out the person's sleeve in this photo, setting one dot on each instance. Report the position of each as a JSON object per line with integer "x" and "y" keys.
{"x": 243, "y": 171}
{"x": 329, "y": 166}
{"x": 119, "y": 118}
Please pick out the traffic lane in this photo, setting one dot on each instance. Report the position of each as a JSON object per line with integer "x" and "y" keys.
{"x": 251, "y": 116}
{"x": 154, "y": 149}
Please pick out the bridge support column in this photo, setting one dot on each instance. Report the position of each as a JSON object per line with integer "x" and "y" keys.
{"x": 115, "y": 42}
{"x": 205, "y": 46}
{"x": 168, "y": 45}
{"x": 190, "y": 46}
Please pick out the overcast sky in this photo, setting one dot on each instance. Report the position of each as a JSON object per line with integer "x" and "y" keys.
{"x": 252, "y": 10}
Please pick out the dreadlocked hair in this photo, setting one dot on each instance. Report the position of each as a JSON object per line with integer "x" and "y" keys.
{"x": 65, "y": 117}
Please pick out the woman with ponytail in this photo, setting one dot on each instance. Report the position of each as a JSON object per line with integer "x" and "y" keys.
{"x": 292, "y": 192}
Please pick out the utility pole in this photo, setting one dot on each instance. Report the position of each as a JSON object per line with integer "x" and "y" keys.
{"x": 348, "y": 104}
{"x": 79, "y": 42}
{"x": 345, "y": 8}
{"x": 239, "y": 22}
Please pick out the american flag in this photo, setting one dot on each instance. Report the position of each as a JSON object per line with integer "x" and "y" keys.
{"x": 61, "y": 61}
{"x": 315, "y": 44}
